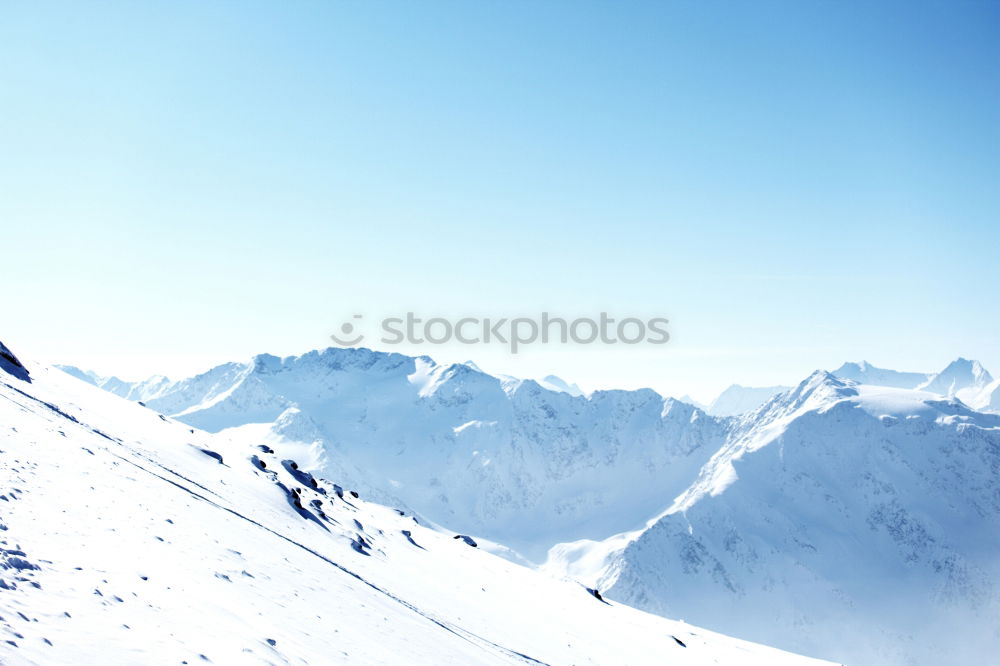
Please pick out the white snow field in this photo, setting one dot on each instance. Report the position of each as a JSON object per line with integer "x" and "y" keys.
{"x": 130, "y": 538}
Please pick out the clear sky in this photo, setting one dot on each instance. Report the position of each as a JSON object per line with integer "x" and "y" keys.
{"x": 793, "y": 184}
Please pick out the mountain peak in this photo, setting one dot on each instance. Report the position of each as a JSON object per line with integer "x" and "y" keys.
{"x": 266, "y": 362}
{"x": 854, "y": 366}
{"x": 824, "y": 379}
{"x": 554, "y": 383}
{"x": 973, "y": 366}
{"x": 822, "y": 386}
{"x": 960, "y": 375}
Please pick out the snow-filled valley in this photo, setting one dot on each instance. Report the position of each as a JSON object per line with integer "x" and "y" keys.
{"x": 852, "y": 517}
{"x": 128, "y": 537}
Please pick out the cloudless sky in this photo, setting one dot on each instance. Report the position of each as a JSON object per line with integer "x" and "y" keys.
{"x": 793, "y": 184}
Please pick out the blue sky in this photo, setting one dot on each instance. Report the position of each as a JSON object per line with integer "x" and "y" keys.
{"x": 793, "y": 184}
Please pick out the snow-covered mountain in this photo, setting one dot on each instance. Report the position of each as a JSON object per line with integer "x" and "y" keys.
{"x": 553, "y": 383}
{"x": 790, "y": 523}
{"x": 508, "y": 460}
{"x": 962, "y": 378}
{"x": 866, "y": 373}
{"x": 966, "y": 380}
{"x": 691, "y": 401}
{"x": 988, "y": 399}
{"x": 741, "y": 399}
{"x": 846, "y": 520}
{"x": 128, "y": 537}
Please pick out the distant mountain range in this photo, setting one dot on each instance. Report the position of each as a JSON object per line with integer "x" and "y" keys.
{"x": 965, "y": 379}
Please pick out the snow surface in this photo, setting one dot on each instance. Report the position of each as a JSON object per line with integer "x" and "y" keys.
{"x": 128, "y": 537}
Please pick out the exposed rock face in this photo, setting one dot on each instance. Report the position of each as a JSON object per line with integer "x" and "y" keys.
{"x": 12, "y": 366}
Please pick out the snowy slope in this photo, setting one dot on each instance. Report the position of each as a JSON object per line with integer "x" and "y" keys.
{"x": 853, "y": 522}
{"x": 738, "y": 399}
{"x": 130, "y": 538}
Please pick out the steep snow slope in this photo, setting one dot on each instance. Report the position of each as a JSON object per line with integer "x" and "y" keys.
{"x": 854, "y": 522}
{"x": 510, "y": 461}
{"x": 129, "y": 538}
{"x": 989, "y": 398}
{"x": 738, "y": 399}
{"x": 866, "y": 373}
